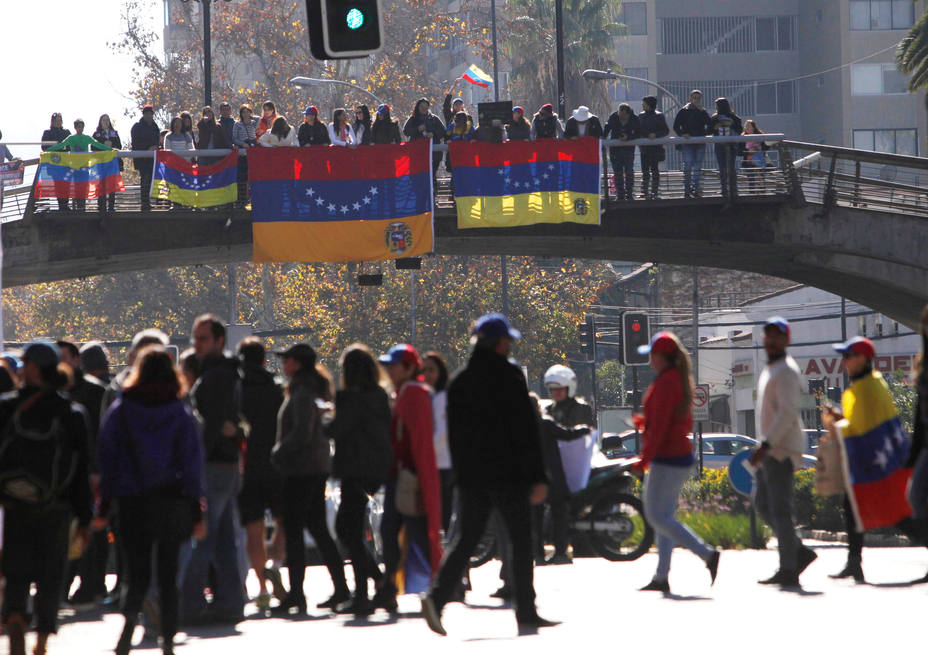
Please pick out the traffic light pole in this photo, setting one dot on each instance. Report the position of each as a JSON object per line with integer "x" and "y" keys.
{"x": 593, "y": 402}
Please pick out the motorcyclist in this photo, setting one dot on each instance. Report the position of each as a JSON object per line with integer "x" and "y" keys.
{"x": 566, "y": 419}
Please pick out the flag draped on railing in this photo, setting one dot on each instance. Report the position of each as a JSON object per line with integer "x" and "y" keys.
{"x": 526, "y": 182}
{"x": 177, "y": 179}
{"x": 334, "y": 204}
{"x": 78, "y": 175}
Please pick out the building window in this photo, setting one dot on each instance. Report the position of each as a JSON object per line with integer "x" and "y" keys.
{"x": 776, "y": 98}
{"x": 899, "y": 142}
{"x": 629, "y": 90}
{"x": 726, "y": 34}
{"x": 868, "y": 15}
{"x": 775, "y": 33}
{"x": 877, "y": 79}
{"x": 634, "y": 15}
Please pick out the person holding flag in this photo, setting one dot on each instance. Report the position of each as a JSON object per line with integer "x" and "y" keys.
{"x": 79, "y": 142}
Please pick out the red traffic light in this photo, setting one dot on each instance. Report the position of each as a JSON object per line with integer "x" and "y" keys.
{"x": 636, "y": 326}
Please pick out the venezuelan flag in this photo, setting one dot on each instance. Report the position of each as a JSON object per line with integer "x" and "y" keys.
{"x": 526, "y": 182}
{"x": 336, "y": 204}
{"x": 177, "y": 179}
{"x": 476, "y": 76}
{"x": 875, "y": 448}
{"x": 78, "y": 175}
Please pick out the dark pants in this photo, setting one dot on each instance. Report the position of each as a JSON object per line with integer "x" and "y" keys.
{"x": 728, "y": 175}
{"x": 242, "y": 180}
{"x": 623, "y": 169}
{"x": 106, "y": 203}
{"x": 144, "y": 167}
{"x": 476, "y": 505}
{"x": 650, "y": 173}
{"x": 349, "y": 526}
{"x": 390, "y": 531}
{"x": 773, "y": 498}
{"x": 140, "y": 542}
{"x": 446, "y": 480}
{"x": 855, "y": 538}
{"x": 35, "y": 550}
{"x": 92, "y": 566}
{"x": 304, "y": 507}
{"x": 559, "y": 525}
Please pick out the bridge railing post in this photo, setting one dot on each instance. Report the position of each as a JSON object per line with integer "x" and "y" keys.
{"x": 794, "y": 185}
{"x": 830, "y": 198}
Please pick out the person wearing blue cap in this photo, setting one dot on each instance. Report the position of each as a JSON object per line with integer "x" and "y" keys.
{"x": 498, "y": 463}
{"x": 41, "y": 426}
{"x": 782, "y": 444}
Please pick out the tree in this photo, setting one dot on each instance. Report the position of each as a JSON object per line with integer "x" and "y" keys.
{"x": 912, "y": 54}
{"x": 590, "y": 29}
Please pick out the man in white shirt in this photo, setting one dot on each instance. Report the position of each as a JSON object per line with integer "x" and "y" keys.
{"x": 780, "y": 451}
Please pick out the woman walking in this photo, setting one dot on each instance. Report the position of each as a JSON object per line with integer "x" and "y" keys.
{"x": 666, "y": 451}
{"x": 151, "y": 464}
{"x": 302, "y": 456}
{"x": 361, "y": 431}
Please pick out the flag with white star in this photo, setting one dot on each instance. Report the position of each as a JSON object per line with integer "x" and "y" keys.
{"x": 527, "y": 182}
{"x": 78, "y": 175}
{"x": 334, "y": 204}
{"x": 184, "y": 182}
{"x": 875, "y": 448}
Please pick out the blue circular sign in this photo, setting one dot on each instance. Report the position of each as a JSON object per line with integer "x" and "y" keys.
{"x": 741, "y": 478}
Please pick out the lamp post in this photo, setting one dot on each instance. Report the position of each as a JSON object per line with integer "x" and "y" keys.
{"x": 559, "y": 55}
{"x": 316, "y": 81}
{"x": 593, "y": 74}
{"x": 207, "y": 52}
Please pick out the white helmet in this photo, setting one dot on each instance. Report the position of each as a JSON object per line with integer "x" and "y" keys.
{"x": 561, "y": 376}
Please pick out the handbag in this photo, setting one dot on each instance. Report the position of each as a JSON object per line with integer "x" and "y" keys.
{"x": 408, "y": 494}
{"x": 829, "y": 472}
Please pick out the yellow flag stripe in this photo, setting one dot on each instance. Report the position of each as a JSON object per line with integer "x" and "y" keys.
{"x": 528, "y": 209}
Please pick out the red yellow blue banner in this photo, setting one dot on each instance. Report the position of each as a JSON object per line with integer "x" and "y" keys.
{"x": 78, "y": 175}
{"x": 179, "y": 180}
{"x": 526, "y": 182}
{"x": 875, "y": 449}
{"x": 336, "y": 204}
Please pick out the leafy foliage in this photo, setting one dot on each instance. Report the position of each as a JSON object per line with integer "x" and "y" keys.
{"x": 912, "y": 54}
{"x": 725, "y": 530}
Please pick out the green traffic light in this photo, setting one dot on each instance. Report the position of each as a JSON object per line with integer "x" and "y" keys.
{"x": 354, "y": 19}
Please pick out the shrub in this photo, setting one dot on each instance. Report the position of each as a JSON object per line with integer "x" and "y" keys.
{"x": 814, "y": 511}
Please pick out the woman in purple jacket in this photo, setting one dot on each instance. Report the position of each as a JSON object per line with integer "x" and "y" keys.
{"x": 151, "y": 463}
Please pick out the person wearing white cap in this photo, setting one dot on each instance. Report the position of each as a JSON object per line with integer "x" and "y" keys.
{"x": 583, "y": 123}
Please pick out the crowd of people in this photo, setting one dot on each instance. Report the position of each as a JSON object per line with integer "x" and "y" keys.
{"x": 456, "y": 123}
{"x": 178, "y": 467}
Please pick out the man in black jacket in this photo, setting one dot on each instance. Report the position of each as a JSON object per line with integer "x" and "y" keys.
{"x": 692, "y": 120}
{"x": 217, "y": 397}
{"x": 651, "y": 125}
{"x": 497, "y": 460}
{"x": 145, "y": 137}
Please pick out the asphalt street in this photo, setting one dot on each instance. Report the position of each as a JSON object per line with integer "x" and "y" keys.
{"x": 601, "y": 609}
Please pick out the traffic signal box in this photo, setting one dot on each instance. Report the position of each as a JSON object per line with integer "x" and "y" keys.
{"x": 602, "y": 338}
{"x": 344, "y": 29}
{"x": 636, "y": 331}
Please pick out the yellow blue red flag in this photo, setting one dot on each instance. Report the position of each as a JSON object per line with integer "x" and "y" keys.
{"x": 177, "y": 179}
{"x": 78, "y": 175}
{"x": 335, "y": 204}
{"x": 526, "y": 182}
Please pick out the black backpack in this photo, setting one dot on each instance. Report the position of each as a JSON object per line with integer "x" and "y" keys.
{"x": 36, "y": 466}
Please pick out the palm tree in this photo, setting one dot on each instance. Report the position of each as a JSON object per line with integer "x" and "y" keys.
{"x": 912, "y": 54}
{"x": 590, "y": 29}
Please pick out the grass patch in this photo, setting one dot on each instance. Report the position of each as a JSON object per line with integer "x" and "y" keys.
{"x": 725, "y": 530}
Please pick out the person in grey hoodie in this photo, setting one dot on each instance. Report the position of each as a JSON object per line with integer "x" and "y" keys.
{"x": 301, "y": 454}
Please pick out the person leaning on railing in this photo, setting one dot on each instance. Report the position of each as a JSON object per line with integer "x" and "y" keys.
{"x": 623, "y": 125}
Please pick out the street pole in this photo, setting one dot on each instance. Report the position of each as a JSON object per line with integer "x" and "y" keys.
{"x": 412, "y": 307}
{"x": 207, "y": 56}
{"x": 495, "y": 51}
{"x": 504, "y": 281}
{"x": 559, "y": 48}
{"x": 233, "y": 294}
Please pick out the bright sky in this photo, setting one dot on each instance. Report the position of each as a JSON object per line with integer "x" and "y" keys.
{"x": 57, "y": 58}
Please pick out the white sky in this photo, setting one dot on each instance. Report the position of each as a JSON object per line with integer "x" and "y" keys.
{"x": 56, "y": 57}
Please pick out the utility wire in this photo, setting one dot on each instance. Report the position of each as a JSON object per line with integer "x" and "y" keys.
{"x": 837, "y": 68}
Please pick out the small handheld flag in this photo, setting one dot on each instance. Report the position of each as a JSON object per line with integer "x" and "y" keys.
{"x": 476, "y": 76}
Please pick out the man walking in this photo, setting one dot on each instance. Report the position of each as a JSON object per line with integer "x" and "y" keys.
{"x": 217, "y": 397}
{"x": 497, "y": 461}
{"x": 782, "y": 444}
{"x": 692, "y": 120}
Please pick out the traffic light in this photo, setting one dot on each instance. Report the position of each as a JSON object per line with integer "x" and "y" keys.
{"x": 588, "y": 337}
{"x": 344, "y": 29}
{"x": 636, "y": 331}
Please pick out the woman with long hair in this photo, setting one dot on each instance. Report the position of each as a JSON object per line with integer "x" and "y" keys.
{"x": 519, "y": 129}
{"x": 362, "y": 125}
{"x": 340, "y": 131}
{"x": 361, "y": 431}
{"x": 56, "y": 132}
{"x": 151, "y": 464}
{"x": 186, "y": 121}
{"x": 280, "y": 134}
{"x": 385, "y": 129}
{"x": 301, "y": 454}
{"x": 667, "y": 454}
{"x": 754, "y": 161}
{"x": 435, "y": 373}
{"x": 107, "y": 135}
{"x": 725, "y": 122}
{"x": 212, "y": 136}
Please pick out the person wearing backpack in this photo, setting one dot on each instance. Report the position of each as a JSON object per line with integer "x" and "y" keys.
{"x": 44, "y": 482}
{"x": 151, "y": 464}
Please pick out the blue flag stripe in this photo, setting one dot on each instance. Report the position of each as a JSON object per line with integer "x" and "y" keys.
{"x": 67, "y": 174}
{"x": 218, "y": 180}
{"x": 874, "y": 455}
{"x": 525, "y": 178}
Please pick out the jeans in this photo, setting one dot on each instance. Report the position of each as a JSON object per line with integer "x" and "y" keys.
{"x": 476, "y": 506}
{"x": 446, "y": 481}
{"x": 218, "y": 550}
{"x": 349, "y": 526}
{"x": 693, "y": 155}
{"x": 773, "y": 497}
{"x": 390, "y": 525}
{"x": 35, "y": 550}
{"x": 918, "y": 487}
{"x": 650, "y": 173}
{"x": 728, "y": 176}
{"x": 145, "y": 169}
{"x": 623, "y": 169}
{"x": 661, "y": 494}
{"x": 304, "y": 507}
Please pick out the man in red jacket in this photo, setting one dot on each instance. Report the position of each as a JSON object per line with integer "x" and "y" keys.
{"x": 413, "y": 450}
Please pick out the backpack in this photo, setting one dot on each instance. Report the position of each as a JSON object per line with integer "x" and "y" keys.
{"x": 36, "y": 466}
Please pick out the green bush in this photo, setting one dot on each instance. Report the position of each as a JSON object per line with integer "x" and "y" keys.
{"x": 725, "y": 530}
{"x": 814, "y": 511}
{"x": 712, "y": 493}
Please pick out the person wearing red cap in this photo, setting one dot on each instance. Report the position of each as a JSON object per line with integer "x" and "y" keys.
{"x": 413, "y": 450}
{"x": 667, "y": 455}
{"x": 313, "y": 132}
{"x": 782, "y": 444}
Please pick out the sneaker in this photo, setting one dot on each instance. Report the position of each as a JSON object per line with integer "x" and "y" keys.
{"x": 782, "y": 578}
{"x": 432, "y": 614}
{"x": 662, "y": 586}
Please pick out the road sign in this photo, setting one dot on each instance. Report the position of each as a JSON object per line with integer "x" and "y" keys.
{"x": 740, "y": 476}
{"x": 701, "y": 403}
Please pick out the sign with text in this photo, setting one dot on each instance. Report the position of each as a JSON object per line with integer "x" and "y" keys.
{"x": 11, "y": 173}
{"x": 701, "y": 403}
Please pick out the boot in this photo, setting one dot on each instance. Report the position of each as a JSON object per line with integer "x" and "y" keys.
{"x": 852, "y": 569}
{"x": 385, "y": 596}
{"x": 125, "y": 639}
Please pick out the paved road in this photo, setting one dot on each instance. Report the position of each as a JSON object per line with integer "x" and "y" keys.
{"x": 601, "y": 609}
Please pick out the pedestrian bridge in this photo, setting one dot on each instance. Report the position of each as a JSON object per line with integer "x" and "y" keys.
{"x": 848, "y": 221}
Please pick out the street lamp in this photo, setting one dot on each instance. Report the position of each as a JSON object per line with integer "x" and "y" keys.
{"x": 593, "y": 74}
{"x": 316, "y": 81}
{"x": 207, "y": 53}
